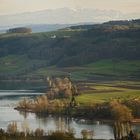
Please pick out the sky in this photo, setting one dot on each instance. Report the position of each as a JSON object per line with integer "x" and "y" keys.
{"x": 20, "y": 6}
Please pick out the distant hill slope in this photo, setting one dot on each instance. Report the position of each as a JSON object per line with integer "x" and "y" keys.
{"x": 29, "y": 54}
{"x": 37, "y": 27}
{"x": 19, "y": 30}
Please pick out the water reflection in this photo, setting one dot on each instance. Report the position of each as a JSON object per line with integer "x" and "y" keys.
{"x": 48, "y": 123}
{"x": 24, "y": 114}
{"x": 70, "y": 124}
{"x": 122, "y": 129}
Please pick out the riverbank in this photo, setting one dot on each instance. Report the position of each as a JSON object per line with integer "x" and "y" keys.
{"x": 81, "y": 119}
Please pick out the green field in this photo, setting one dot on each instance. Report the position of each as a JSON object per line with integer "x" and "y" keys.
{"x": 18, "y": 64}
{"x": 22, "y": 65}
{"x": 99, "y": 93}
{"x": 101, "y": 69}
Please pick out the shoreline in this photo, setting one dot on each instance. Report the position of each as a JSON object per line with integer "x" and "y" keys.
{"x": 105, "y": 120}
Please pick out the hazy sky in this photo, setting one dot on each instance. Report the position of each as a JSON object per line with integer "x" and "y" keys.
{"x": 19, "y": 6}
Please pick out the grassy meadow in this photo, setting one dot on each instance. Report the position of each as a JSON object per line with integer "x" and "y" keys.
{"x": 104, "y": 69}
{"x": 103, "y": 92}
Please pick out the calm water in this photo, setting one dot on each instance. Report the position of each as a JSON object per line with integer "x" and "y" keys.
{"x": 10, "y": 98}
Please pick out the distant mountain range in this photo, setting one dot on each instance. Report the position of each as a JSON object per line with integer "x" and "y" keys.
{"x": 64, "y": 16}
{"x": 37, "y": 27}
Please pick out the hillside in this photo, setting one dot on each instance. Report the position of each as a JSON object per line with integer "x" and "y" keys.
{"x": 36, "y": 28}
{"x": 103, "y": 51}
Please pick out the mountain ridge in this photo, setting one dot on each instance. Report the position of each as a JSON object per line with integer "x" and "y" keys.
{"x": 65, "y": 16}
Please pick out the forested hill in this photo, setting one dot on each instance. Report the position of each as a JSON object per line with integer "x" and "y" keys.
{"x": 80, "y": 46}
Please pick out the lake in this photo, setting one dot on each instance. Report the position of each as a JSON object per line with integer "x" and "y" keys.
{"x": 8, "y": 115}
{"x": 10, "y": 98}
